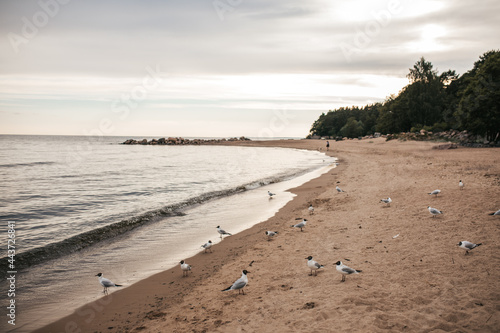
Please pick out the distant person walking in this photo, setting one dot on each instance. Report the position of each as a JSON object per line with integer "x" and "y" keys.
{"x": 327, "y": 145}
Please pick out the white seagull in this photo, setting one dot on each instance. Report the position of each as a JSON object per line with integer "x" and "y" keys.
{"x": 207, "y": 246}
{"x": 271, "y": 234}
{"x": 387, "y": 201}
{"x": 495, "y": 213}
{"x": 435, "y": 192}
{"x": 311, "y": 209}
{"x": 461, "y": 184}
{"x": 313, "y": 265}
{"x": 434, "y": 211}
{"x": 344, "y": 270}
{"x": 106, "y": 283}
{"x": 467, "y": 246}
{"x": 270, "y": 194}
{"x": 222, "y": 232}
{"x": 339, "y": 189}
{"x": 185, "y": 268}
{"x": 240, "y": 283}
{"x": 300, "y": 224}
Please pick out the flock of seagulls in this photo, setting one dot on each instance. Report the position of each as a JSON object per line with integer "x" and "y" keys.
{"x": 313, "y": 265}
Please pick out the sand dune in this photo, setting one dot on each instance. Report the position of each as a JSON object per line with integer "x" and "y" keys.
{"x": 420, "y": 281}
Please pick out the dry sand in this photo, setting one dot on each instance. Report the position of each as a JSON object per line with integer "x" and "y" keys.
{"x": 420, "y": 281}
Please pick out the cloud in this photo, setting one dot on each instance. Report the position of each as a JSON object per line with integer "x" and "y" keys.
{"x": 315, "y": 55}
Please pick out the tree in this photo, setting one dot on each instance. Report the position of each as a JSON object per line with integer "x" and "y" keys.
{"x": 479, "y": 106}
{"x": 422, "y": 71}
{"x": 352, "y": 129}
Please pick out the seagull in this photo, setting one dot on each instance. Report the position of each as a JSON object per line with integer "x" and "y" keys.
{"x": 495, "y": 213}
{"x": 387, "y": 201}
{"x": 311, "y": 209}
{"x": 271, "y": 234}
{"x": 270, "y": 194}
{"x": 240, "y": 283}
{"x": 185, "y": 268}
{"x": 436, "y": 192}
{"x": 467, "y": 246}
{"x": 300, "y": 224}
{"x": 313, "y": 265}
{"x": 106, "y": 283}
{"x": 434, "y": 211}
{"x": 207, "y": 246}
{"x": 222, "y": 232}
{"x": 339, "y": 189}
{"x": 344, "y": 270}
{"x": 460, "y": 184}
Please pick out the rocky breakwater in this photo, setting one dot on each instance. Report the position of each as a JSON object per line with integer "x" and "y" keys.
{"x": 181, "y": 141}
{"x": 454, "y": 138}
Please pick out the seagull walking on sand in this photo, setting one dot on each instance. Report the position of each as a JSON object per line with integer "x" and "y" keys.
{"x": 271, "y": 234}
{"x": 467, "y": 246}
{"x": 387, "y": 201}
{"x": 495, "y": 213}
{"x": 207, "y": 246}
{"x": 300, "y": 224}
{"x": 240, "y": 283}
{"x": 270, "y": 194}
{"x": 435, "y": 192}
{"x": 106, "y": 283}
{"x": 461, "y": 184}
{"x": 434, "y": 211}
{"x": 185, "y": 268}
{"x": 311, "y": 209}
{"x": 313, "y": 266}
{"x": 339, "y": 189}
{"x": 344, "y": 270}
{"x": 222, "y": 232}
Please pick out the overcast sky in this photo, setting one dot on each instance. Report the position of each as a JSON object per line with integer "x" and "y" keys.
{"x": 220, "y": 68}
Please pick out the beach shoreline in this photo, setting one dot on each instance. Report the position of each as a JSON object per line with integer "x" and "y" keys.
{"x": 281, "y": 295}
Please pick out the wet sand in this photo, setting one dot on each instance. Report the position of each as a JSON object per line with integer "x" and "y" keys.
{"x": 419, "y": 281}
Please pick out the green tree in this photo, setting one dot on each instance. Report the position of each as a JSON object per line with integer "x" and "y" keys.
{"x": 479, "y": 106}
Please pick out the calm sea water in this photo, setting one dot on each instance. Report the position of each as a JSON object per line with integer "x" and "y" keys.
{"x": 75, "y": 200}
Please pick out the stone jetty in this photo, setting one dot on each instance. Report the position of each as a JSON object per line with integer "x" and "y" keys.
{"x": 181, "y": 141}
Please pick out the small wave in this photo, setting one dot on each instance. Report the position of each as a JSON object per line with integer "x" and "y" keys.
{"x": 78, "y": 242}
{"x": 14, "y": 165}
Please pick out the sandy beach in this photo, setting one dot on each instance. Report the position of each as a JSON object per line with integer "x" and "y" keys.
{"x": 414, "y": 276}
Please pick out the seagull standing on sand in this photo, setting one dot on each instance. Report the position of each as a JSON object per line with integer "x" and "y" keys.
{"x": 271, "y": 234}
{"x": 387, "y": 201}
{"x": 435, "y": 192}
{"x": 270, "y": 194}
{"x": 185, "y": 268}
{"x": 344, "y": 270}
{"x": 460, "y": 184}
{"x": 222, "y": 232}
{"x": 106, "y": 283}
{"x": 240, "y": 283}
{"x": 313, "y": 266}
{"x": 495, "y": 213}
{"x": 467, "y": 246}
{"x": 300, "y": 224}
{"x": 434, "y": 211}
{"x": 311, "y": 209}
{"x": 207, "y": 246}
{"x": 339, "y": 189}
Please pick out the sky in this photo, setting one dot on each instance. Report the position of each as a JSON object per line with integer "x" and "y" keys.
{"x": 220, "y": 68}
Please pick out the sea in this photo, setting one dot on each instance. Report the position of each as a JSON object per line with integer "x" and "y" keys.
{"x": 74, "y": 206}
